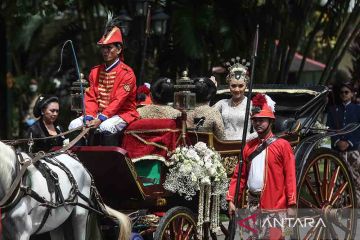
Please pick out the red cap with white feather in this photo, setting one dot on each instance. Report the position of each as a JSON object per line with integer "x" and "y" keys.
{"x": 262, "y": 106}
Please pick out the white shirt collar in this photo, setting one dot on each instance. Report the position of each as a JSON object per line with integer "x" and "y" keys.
{"x": 112, "y": 65}
{"x": 347, "y": 103}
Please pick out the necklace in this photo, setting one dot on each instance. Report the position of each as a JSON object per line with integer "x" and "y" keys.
{"x": 235, "y": 104}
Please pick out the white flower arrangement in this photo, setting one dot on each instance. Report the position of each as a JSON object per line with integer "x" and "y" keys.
{"x": 195, "y": 166}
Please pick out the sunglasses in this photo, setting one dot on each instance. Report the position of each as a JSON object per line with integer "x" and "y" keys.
{"x": 344, "y": 92}
{"x": 237, "y": 85}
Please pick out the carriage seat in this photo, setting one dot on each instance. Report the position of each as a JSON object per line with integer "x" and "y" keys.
{"x": 285, "y": 124}
{"x": 149, "y": 143}
{"x": 149, "y": 172}
{"x": 222, "y": 146}
{"x": 155, "y": 137}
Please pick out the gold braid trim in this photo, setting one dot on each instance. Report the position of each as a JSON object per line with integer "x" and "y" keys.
{"x": 152, "y": 131}
{"x": 150, "y": 143}
{"x": 149, "y": 158}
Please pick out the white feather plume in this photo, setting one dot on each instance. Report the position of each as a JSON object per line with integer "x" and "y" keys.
{"x": 270, "y": 103}
{"x": 109, "y": 17}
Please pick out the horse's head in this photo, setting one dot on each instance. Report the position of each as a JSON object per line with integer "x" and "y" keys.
{"x": 7, "y": 167}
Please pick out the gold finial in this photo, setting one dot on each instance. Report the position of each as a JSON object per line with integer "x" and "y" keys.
{"x": 185, "y": 75}
{"x": 184, "y": 79}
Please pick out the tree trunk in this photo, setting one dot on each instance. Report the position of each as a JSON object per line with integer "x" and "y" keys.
{"x": 282, "y": 49}
{"x": 342, "y": 37}
{"x": 345, "y": 47}
{"x": 3, "y": 87}
{"x": 272, "y": 48}
{"x": 310, "y": 40}
{"x": 300, "y": 21}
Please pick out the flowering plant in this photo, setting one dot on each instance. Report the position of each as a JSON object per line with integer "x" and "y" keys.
{"x": 194, "y": 166}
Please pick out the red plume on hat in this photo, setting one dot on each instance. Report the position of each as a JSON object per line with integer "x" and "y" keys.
{"x": 143, "y": 95}
{"x": 143, "y": 89}
{"x": 262, "y": 106}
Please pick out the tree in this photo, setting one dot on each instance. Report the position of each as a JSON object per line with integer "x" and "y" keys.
{"x": 355, "y": 53}
{"x": 345, "y": 36}
{"x": 209, "y": 32}
{"x": 200, "y": 34}
{"x": 3, "y": 54}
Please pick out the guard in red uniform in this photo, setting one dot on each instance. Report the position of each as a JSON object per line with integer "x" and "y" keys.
{"x": 110, "y": 102}
{"x": 269, "y": 165}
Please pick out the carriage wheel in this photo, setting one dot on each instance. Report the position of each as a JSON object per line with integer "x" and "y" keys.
{"x": 178, "y": 224}
{"x": 327, "y": 191}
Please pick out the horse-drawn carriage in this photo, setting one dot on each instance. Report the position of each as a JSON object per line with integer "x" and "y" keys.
{"x": 130, "y": 178}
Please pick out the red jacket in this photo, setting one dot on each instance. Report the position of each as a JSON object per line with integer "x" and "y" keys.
{"x": 122, "y": 96}
{"x": 280, "y": 180}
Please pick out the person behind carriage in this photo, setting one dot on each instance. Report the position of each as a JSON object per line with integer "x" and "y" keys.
{"x": 162, "y": 93}
{"x": 342, "y": 114}
{"x": 110, "y": 101}
{"x": 47, "y": 110}
{"x": 347, "y": 145}
{"x": 269, "y": 174}
{"x": 204, "y": 117}
{"x": 27, "y": 104}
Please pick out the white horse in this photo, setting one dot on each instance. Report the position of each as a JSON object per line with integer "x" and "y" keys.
{"x": 23, "y": 219}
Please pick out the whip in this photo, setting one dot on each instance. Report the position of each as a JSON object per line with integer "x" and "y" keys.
{"x": 78, "y": 73}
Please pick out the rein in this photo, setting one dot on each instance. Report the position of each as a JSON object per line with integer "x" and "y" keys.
{"x": 15, "y": 186}
{"x": 25, "y": 140}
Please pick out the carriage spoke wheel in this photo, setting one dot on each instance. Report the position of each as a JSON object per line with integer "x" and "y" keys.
{"x": 178, "y": 224}
{"x": 327, "y": 194}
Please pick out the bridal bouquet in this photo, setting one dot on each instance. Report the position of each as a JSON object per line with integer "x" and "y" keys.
{"x": 198, "y": 169}
{"x": 194, "y": 166}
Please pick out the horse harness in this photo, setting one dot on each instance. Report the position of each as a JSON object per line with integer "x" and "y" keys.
{"x": 19, "y": 188}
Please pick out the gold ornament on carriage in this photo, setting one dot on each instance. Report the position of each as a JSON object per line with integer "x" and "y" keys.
{"x": 238, "y": 69}
{"x": 184, "y": 99}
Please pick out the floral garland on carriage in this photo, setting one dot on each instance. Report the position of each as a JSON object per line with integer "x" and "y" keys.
{"x": 199, "y": 168}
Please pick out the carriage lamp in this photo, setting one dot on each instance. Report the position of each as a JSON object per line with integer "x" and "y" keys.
{"x": 125, "y": 21}
{"x": 159, "y": 20}
{"x": 184, "y": 99}
{"x": 75, "y": 95}
{"x": 141, "y": 7}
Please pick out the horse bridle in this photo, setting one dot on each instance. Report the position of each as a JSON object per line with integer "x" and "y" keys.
{"x": 15, "y": 185}
{"x": 14, "y": 195}
{"x": 17, "y": 190}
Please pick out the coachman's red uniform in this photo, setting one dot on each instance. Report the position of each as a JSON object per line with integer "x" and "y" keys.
{"x": 280, "y": 181}
{"x": 112, "y": 93}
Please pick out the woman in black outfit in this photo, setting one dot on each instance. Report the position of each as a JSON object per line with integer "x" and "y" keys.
{"x": 47, "y": 108}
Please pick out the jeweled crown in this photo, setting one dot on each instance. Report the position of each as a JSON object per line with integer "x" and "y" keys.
{"x": 238, "y": 69}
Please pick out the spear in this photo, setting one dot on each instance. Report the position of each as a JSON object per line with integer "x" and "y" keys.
{"x": 232, "y": 223}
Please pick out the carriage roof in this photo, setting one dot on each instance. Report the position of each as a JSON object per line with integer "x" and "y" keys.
{"x": 280, "y": 88}
{"x": 290, "y": 99}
